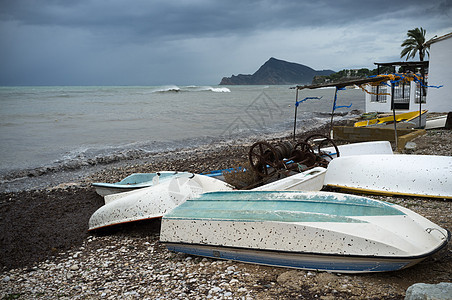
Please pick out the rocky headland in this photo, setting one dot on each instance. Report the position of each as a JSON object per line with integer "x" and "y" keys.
{"x": 276, "y": 71}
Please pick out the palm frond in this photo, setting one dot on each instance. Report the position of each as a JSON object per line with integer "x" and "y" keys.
{"x": 414, "y": 44}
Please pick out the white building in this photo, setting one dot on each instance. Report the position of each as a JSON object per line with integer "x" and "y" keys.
{"x": 440, "y": 73}
{"x": 411, "y": 96}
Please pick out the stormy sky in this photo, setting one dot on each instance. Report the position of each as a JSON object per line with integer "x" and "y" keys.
{"x": 184, "y": 42}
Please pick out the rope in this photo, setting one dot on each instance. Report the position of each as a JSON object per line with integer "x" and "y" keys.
{"x": 372, "y": 93}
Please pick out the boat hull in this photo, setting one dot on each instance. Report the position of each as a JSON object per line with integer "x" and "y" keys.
{"x": 310, "y": 180}
{"x": 154, "y": 201}
{"x": 364, "y": 148}
{"x": 409, "y": 117}
{"x": 307, "y": 230}
{"x": 135, "y": 181}
{"x": 410, "y": 175}
{"x": 305, "y": 261}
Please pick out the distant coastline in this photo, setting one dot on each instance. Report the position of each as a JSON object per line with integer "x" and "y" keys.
{"x": 277, "y": 72}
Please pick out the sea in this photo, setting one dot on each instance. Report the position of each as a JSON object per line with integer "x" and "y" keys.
{"x": 68, "y": 131}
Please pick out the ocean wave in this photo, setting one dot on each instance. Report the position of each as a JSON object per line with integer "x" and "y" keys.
{"x": 166, "y": 89}
{"x": 191, "y": 88}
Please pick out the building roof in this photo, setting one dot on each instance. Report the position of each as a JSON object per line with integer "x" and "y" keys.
{"x": 341, "y": 84}
{"x": 437, "y": 39}
{"x": 415, "y": 64}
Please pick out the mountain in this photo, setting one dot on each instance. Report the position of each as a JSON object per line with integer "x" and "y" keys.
{"x": 276, "y": 71}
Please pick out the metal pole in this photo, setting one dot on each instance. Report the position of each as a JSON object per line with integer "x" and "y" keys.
{"x": 295, "y": 119}
{"x": 332, "y": 113}
{"x": 393, "y": 113}
{"x": 420, "y": 101}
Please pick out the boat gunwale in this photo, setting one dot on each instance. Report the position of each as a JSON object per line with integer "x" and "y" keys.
{"x": 383, "y": 192}
{"x": 122, "y": 185}
{"x": 367, "y": 202}
{"x": 413, "y": 257}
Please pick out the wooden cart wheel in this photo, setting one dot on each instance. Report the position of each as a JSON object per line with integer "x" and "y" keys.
{"x": 264, "y": 159}
{"x": 303, "y": 156}
{"x": 319, "y": 141}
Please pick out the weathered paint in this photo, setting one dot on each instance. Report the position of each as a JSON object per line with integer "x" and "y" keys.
{"x": 343, "y": 229}
{"x": 154, "y": 201}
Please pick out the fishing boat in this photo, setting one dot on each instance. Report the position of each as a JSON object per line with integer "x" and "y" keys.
{"x": 310, "y": 180}
{"x": 409, "y": 117}
{"x": 307, "y": 230}
{"x": 134, "y": 181}
{"x": 154, "y": 201}
{"x": 410, "y": 175}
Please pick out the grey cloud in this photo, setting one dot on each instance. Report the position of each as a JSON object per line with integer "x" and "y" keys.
{"x": 161, "y": 41}
{"x": 194, "y": 18}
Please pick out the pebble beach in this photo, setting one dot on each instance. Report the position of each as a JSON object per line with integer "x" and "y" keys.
{"x": 47, "y": 252}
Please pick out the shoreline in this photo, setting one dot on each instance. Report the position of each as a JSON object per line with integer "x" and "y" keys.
{"x": 45, "y": 177}
{"x": 44, "y": 235}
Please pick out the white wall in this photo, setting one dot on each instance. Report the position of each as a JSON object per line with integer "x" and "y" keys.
{"x": 440, "y": 73}
{"x": 378, "y": 106}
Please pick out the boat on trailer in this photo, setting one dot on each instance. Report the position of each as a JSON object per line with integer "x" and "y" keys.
{"x": 306, "y": 230}
{"x": 154, "y": 201}
{"x": 410, "y": 175}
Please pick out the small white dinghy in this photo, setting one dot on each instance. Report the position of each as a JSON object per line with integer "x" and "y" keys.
{"x": 411, "y": 175}
{"x": 134, "y": 181}
{"x": 307, "y": 230}
{"x": 154, "y": 201}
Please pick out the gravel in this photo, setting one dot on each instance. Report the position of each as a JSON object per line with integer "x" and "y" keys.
{"x": 47, "y": 253}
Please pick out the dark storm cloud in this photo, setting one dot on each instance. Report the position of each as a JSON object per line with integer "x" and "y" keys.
{"x": 151, "y": 19}
{"x": 145, "y": 41}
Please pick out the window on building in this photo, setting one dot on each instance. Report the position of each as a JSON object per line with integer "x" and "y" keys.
{"x": 402, "y": 96}
{"x": 376, "y": 93}
{"x": 421, "y": 93}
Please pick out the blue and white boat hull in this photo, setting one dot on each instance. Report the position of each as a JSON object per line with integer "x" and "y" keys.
{"x": 307, "y": 230}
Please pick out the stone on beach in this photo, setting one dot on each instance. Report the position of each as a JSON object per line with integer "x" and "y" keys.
{"x": 424, "y": 291}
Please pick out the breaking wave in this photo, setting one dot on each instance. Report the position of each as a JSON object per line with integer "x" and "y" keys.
{"x": 191, "y": 88}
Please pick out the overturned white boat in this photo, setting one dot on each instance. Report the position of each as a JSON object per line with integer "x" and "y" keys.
{"x": 134, "y": 181}
{"x": 363, "y": 148}
{"x": 307, "y": 230}
{"x": 411, "y": 175}
{"x": 310, "y": 180}
{"x": 154, "y": 201}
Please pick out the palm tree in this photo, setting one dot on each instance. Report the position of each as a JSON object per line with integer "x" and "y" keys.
{"x": 415, "y": 43}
